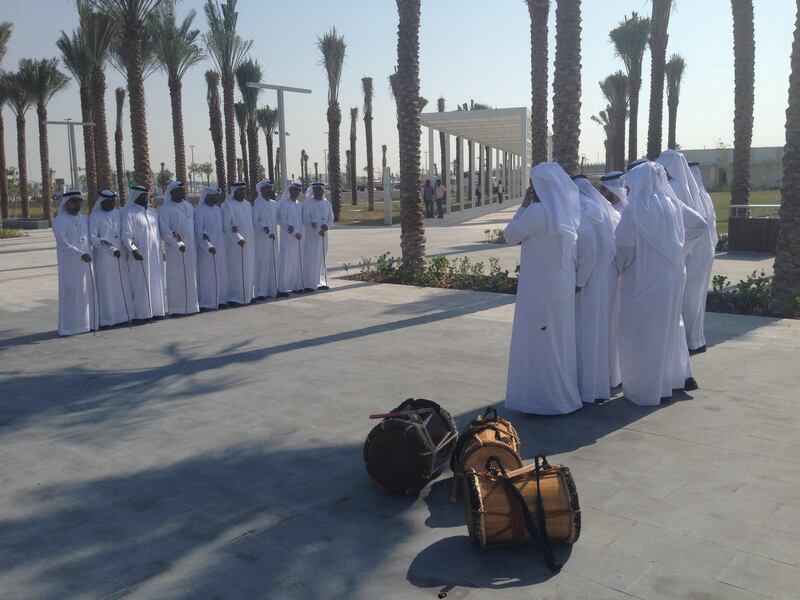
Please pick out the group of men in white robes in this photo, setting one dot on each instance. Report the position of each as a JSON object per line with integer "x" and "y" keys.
{"x": 137, "y": 263}
{"x": 612, "y": 285}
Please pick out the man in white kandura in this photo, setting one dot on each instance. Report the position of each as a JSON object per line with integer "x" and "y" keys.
{"x": 699, "y": 254}
{"x": 614, "y": 190}
{"x": 111, "y": 272}
{"x": 542, "y": 370}
{"x": 77, "y": 300}
{"x": 650, "y": 239}
{"x": 139, "y": 233}
{"x": 176, "y": 224}
{"x": 318, "y": 219}
{"x": 237, "y": 222}
{"x": 290, "y": 220}
{"x": 212, "y": 274}
{"x": 596, "y": 277}
{"x": 265, "y": 225}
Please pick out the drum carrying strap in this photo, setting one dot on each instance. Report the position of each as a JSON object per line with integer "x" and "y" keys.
{"x": 538, "y": 532}
{"x": 476, "y": 426}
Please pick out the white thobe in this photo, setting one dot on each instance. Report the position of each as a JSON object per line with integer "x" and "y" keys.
{"x": 265, "y": 214}
{"x": 139, "y": 231}
{"x": 316, "y": 213}
{"x": 699, "y": 263}
{"x": 289, "y": 266}
{"x": 176, "y": 221}
{"x": 595, "y": 266}
{"x": 542, "y": 369}
{"x": 240, "y": 260}
{"x": 76, "y": 301}
{"x": 614, "y": 284}
{"x": 212, "y": 279}
{"x": 654, "y": 359}
{"x": 111, "y": 273}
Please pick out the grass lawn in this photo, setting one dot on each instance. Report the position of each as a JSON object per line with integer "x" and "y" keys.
{"x": 722, "y": 201}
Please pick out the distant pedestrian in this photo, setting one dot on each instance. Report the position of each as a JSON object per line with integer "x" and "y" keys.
{"x": 440, "y": 194}
{"x": 478, "y": 193}
{"x": 500, "y": 191}
{"x": 427, "y": 196}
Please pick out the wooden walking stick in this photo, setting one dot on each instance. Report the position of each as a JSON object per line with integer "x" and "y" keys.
{"x": 122, "y": 287}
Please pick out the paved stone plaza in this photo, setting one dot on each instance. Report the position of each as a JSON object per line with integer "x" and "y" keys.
{"x": 219, "y": 456}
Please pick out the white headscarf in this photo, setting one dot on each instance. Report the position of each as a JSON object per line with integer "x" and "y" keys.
{"x": 682, "y": 180}
{"x": 261, "y": 184}
{"x": 66, "y": 197}
{"x": 559, "y": 196}
{"x": 205, "y": 192}
{"x": 135, "y": 192}
{"x": 103, "y": 195}
{"x": 172, "y": 185}
{"x": 655, "y": 215}
{"x": 310, "y": 191}
{"x": 597, "y": 208}
{"x": 290, "y": 185}
{"x": 232, "y": 188}
{"x": 708, "y": 203}
{"x": 614, "y": 181}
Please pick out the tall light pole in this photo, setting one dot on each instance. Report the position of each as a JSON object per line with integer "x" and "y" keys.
{"x": 281, "y": 120}
{"x": 325, "y": 158}
{"x": 73, "y": 156}
{"x": 191, "y": 173}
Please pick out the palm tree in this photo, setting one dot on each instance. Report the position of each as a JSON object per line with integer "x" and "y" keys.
{"x": 567, "y": 85}
{"x": 99, "y": 31}
{"x": 131, "y": 16}
{"x": 176, "y": 50}
{"x": 442, "y": 142}
{"x": 228, "y": 50}
{"x": 20, "y": 102}
{"x": 42, "y": 80}
{"x": 366, "y": 85}
{"x": 604, "y": 121}
{"x": 268, "y": 119}
{"x": 241, "y": 120}
{"x": 630, "y": 40}
{"x": 332, "y": 48}
{"x": 303, "y": 166}
{"x": 6, "y": 29}
{"x": 250, "y": 72}
{"x": 412, "y": 235}
{"x": 122, "y": 188}
{"x": 786, "y": 284}
{"x": 674, "y": 72}
{"x": 539, "y": 11}
{"x": 659, "y": 23}
{"x": 383, "y": 159}
{"x": 353, "y": 171}
{"x": 215, "y": 119}
{"x": 76, "y": 57}
{"x": 615, "y": 89}
{"x": 744, "y": 53}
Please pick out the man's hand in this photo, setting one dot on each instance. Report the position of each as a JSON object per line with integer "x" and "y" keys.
{"x": 182, "y": 247}
{"x": 324, "y": 227}
{"x": 321, "y": 233}
{"x": 212, "y": 250}
{"x": 297, "y": 236}
{"x": 117, "y": 253}
{"x": 86, "y": 258}
{"x": 206, "y": 238}
{"x": 528, "y": 197}
{"x": 137, "y": 255}
{"x": 290, "y": 229}
{"x": 241, "y": 242}
{"x": 272, "y": 236}
{"x": 266, "y": 230}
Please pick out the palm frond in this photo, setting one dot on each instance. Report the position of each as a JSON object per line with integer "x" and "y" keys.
{"x": 75, "y": 54}
{"x": 615, "y": 89}
{"x": 100, "y": 30}
{"x": 249, "y": 71}
{"x": 6, "y": 29}
{"x": 226, "y": 47}
{"x": 366, "y": 86}
{"x": 332, "y": 47}
{"x": 41, "y": 79}
{"x": 175, "y": 45}
{"x": 129, "y": 14}
{"x": 674, "y": 69}
{"x": 267, "y": 119}
{"x": 17, "y": 97}
{"x": 630, "y": 41}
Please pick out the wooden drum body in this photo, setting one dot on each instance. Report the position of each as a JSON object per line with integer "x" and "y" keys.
{"x": 495, "y": 517}
{"x": 405, "y": 451}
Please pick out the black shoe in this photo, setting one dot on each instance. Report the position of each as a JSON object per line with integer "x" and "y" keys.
{"x": 221, "y": 306}
{"x": 283, "y": 294}
{"x": 159, "y": 317}
{"x": 690, "y": 385}
{"x": 699, "y": 350}
{"x": 300, "y": 291}
{"x": 260, "y": 298}
{"x": 665, "y": 399}
{"x": 309, "y": 290}
{"x": 323, "y": 287}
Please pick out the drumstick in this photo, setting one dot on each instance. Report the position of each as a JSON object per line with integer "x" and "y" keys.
{"x": 402, "y": 413}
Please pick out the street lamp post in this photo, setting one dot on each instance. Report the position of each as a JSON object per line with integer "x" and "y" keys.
{"x": 281, "y": 119}
{"x": 73, "y": 157}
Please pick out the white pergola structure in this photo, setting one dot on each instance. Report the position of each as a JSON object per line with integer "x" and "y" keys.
{"x": 504, "y": 132}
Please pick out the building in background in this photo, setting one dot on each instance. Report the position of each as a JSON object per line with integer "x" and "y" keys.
{"x": 716, "y": 164}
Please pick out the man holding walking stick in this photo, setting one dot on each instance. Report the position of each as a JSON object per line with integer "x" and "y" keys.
{"x": 317, "y": 220}
{"x": 265, "y": 223}
{"x": 176, "y": 224}
{"x": 290, "y": 257}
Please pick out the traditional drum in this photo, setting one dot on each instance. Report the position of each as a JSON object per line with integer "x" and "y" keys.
{"x": 538, "y": 503}
{"x": 406, "y": 449}
{"x": 486, "y": 436}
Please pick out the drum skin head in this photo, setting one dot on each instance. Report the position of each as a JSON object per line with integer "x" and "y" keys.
{"x": 395, "y": 456}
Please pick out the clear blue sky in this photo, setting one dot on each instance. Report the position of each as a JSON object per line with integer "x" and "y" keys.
{"x": 470, "y": 49}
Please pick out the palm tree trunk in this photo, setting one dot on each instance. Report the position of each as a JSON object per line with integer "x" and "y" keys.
{"x": 270, "y": 162}
{"x": 658, "y": 60}
{"x": 122, "y": 186}
{"x": 353, "y": 176}
{"x": 459, "y": 175}
{"x": 567, "y": 85}
{"x": 786, "y": 284}
{"x": 471, "y": 177}
{"x": 3, "y": 180}
{"x": 334, "y": 159}
{"x": 215, "y": 119}
{"x": 672, "y": 115}
{"x": 635, "y": 84}
{"x": 44, "y": 159}
{"x": 101, "y": 155}
{"x": 177, "y": 129}
{"x": 539, "y": 10}
{"x": 141, "y": 150}
{"x": 88, "y": 143}
{"x": 619, "y": 150}
{"x": 744, "y": 79}
{"x": 255, "y": 160}
{"x": 412, "y": 236}
{"x": 245, "y": 164}
{"x": 370, "y": 165}
{"x": 22, "y": 163}
{"x": 230, "y": 127}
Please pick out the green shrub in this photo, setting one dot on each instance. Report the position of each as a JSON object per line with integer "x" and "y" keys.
{"x": 751, "y": 296}
{"x": 7, "y": 232}
{"x": 722, "y": 243}
{"x": 495, "y": 236}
